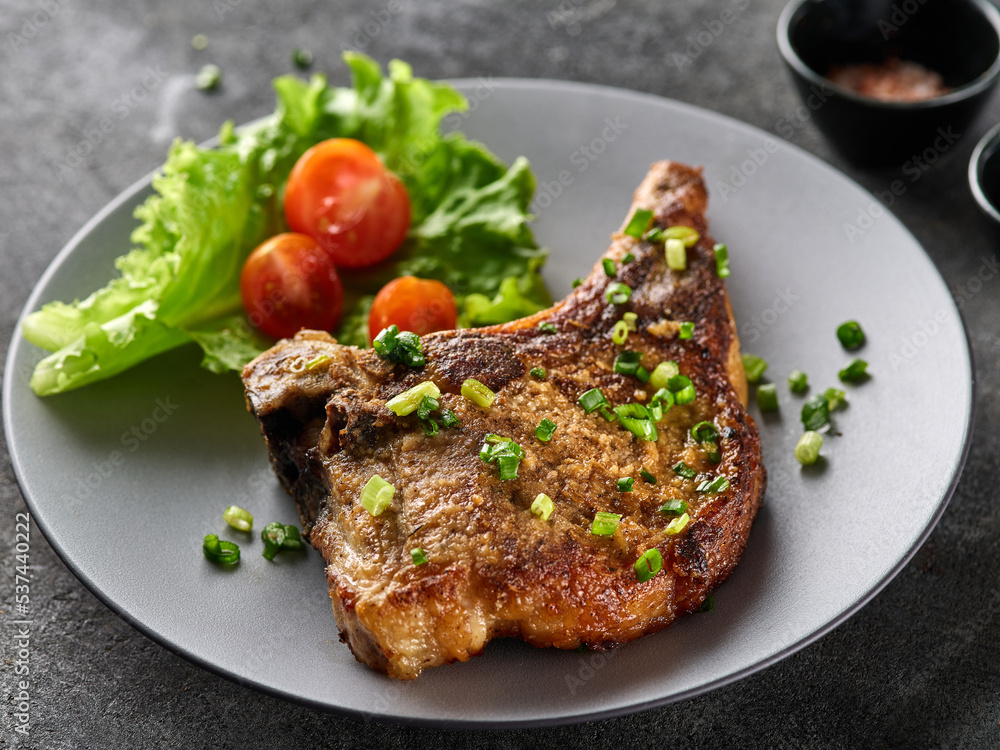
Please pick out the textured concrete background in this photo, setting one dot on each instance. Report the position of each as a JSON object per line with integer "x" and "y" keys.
{"x": 917, "y": 667}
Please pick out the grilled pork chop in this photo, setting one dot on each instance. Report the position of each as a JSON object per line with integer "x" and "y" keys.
{"x": 493, "y": 567}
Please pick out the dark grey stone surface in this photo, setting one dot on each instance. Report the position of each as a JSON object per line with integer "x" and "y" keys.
{"x": 917, "y": 667}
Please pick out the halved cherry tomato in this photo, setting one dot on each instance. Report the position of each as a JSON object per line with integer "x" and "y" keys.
{"x": 340, "y": 193}
{"x": 418, "y": 305}
{"x": 288, "y": 283}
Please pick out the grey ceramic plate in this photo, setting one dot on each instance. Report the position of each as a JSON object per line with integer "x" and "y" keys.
{"x": 125, "y": 477}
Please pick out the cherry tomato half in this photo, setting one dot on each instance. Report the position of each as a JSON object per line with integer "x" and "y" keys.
{"x": 418, "y": 305}
{"x": 340, "y": 193}
{"x": 288, "y": 283}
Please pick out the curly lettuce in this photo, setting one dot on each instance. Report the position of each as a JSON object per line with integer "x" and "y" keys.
{"x": 212, "y": 206}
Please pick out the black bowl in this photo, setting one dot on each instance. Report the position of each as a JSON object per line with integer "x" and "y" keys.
{"x": 958, "y": 39}
{"x": 984, "y": 174}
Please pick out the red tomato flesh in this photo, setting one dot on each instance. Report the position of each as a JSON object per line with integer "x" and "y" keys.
{"x": 418, "y": 305}
{"x": 289, "y": 283}
{"x": 341, "y": 194}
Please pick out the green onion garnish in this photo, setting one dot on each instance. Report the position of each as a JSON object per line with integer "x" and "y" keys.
{"x": 609, "y": 267}
{"x": 538, "y": 372}
{"x": 834, "y": 398}
{"x": 208, "y": 78}
{"x": 850, "y": 334}
{"x": 642, "y": 373}
{"x": 508, "y": 466}
{"x": 302, "y": 58}
{"x": 807, "y": 449}
{"x": 854, "y": 372}
{"x": 545, "y": 430}
{"x": 376, "y": 495}
{"x": 605, "y": 523}
{"x": 674, "y": 507}
{"x": 721, "y": 260}
{"x": 238, "y": 518}
{"x": 682, "y": 388}
{"x": 655, "y": 235}
{"x": 478, "y": 393}
{"x": 684, "y": 470}
{"x": 815, "y": 412}
{"x": 618, "y": 293}
{"x": 418, "y": 556}
{"x": 636, "y": 419}
{"x": 625, "y": 484}
{"x": 277, "y": 536}
{"x": 638, "y": 223}
{"x": 428, "y": 405}
{"x": 408, "y": 401}
{"x": 429, "y": 426}
{"x": 542, "y": 506}
{"x": 504, "y": 452}
{"x": 631, "y": 319}
{"x": 628, "y": 258}
{"x": 448, "y": 419}
{"x": 676, "y": 255}
{"x": 686, "y": 330}
{"x": 767, "y": 397}
{"x": 396, "y": 346}
{"x": 688, "y": 235}
{"x": 677, "y": 525}
{"x": 708, "y": 605}
{"x": 220, "y": 551}
{"x": 577, "y": 282}
{"x": 754, "y": 367}
{"x": 548, "y": 328}
{"x": 705, "y": 432}
{"x": 605, "y": 412}
{"x": 317, "y": 362}
{"x": 620, "y": 333}
{"x": 715, "y": 485}
{"x": 660, "y": 404}
{"x": 627, "y": 363}
{"x": 798, "y": 382}
{"x": 592, "y": 399}
{"x": 647, "y": 476}
{"x": 648, "y": 565}
{"x": 662, "y": 373}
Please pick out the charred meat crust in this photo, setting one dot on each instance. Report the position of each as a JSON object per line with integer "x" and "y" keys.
{"x": 494, "y": 568}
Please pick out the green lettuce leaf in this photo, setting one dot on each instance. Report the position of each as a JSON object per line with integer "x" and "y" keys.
{"x": 212, "y": 206}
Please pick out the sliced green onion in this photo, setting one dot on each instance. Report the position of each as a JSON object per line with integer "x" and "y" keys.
{"x": 428, "y": 405}
{"x": 850, "y": 334}
{"x": 538, "y": 372}
{"x": 631, "y": 319}
{"x": 714, "y": 485}
{"x": 620, "y": 333}
{"x": 638, "y": 223}
{"x": 604, "y": 523}
{"x": 618, "y": 293}
{"x": 767, "y": 397}
{"x": 754, "y": 367}
{"x": 834, "y": 398}
{"x": 220, "y": 551}
{"x": 684, "y": 470}
{"x": 686, "y": 331}
{"x": 448, "y": 419}
{"x": 674, "y": 507}
{"x": 662, "y": 373}
{"x": 317, "y": 362}
{"x": 660, "y": 404}
{"x": 688, "y": 235}
{"x": 238, "y": 518}
{"x": 408, "y": 401}
{"x": 302, "y": 58}
{"x": 705, "y": 432}
{"x": 676, "y": 255}
{"x": 592, "y": 399}
{"x": 647, "y": 476}
{"x": 648, "y": 565}
{"x": 418, "y": 556}
{"x": 429, "y": 426}
{"x": 854, "y": 372}
{"x": 208, "y": 78}
{"x": 293, "y": 539}
{"x": 542, "y": 506}
{"x": 815, "y": 412}
{"x": 625, "y": 484}
{"x": 508, "y": 466}
{"x": 721, "y": 260}
{"x": 505, "y": 453}
{"x": 642, "y": 373}
{"x": 627, "y": 363}
{"x": 577, "y": 282}
{"x": 609, "y": 267}
{"x": 798, "y": 382}
{"x": 376, "y": 495}
{"x": 682, "y": 388}
{"x": 548, "y": 328}
{"x": 677, "y": 525}
{"x": 708, "y": 605}
{"x": 545, "y": 430}
{"x": 478, "y": 393}
{"x": 655, "y": 235}
{"x": 636, "y": 419}
{"x": 628, "y": 258}
{"x": 396, "y": 346}
{"x": 273, "y": 536}
{"x": 807, "y": 449}
{"x": 606, "y": 413}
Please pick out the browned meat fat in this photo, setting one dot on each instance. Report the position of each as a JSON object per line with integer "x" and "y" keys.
{"x": 494, "y": 568}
